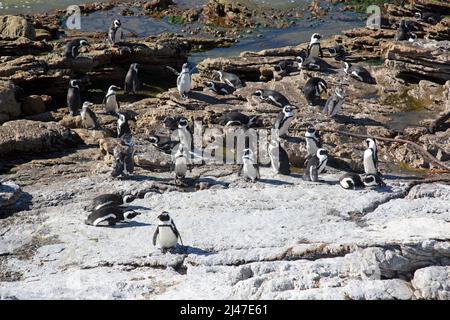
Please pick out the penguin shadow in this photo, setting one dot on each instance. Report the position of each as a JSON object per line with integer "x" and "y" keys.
{"x": 294, "y": 139}
{"x": 22, "y": 204}
{"x": 200, "y": 96}
{"x": 343, "y": 119}
{"x": 193, "y": 250}
{"x": 140, "y": 177}
{"x": 130, "y": 224}
{"x": 385, "y": 189}
{"x": 212, "y": 182}
{"x": 275, "y": 182}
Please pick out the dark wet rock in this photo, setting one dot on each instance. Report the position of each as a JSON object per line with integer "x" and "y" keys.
{"x": 9, "y": 106}
{"x": 16, "y": 27}
{"x": 159, "y": 4}
{"x": 23, "y": 46}
{"x": 31, "y": 136}
{"x": 33, "y": 104}
{"x": 9, "y": 193}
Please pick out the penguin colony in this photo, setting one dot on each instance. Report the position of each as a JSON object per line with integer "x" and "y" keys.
{"x": 111, "y": 209}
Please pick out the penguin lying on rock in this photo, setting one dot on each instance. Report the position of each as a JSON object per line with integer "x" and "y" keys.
{"x": 110, "y": 216}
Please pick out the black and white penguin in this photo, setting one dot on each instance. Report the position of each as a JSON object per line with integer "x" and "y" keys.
{"x": 338, "y": 52}
{"x": 166, "y": 233}
{"x": 284, "y": 120}
{"x": 314, "y": 49}
{"x": 163, "y": 143}
{"x": 351, "y": 181}
{"x": 185, "y": 134}
{"x": 219, "y": 88}
{"x": 273, "y": 97}
{"x": 74, "y": 97}
{"x": 403, "y": 33}
{"x": 429, "y": 17}
{"x": 230, "y": 79}
{"x": 184, "y": 82}
{"x": 313, "y": 89}
{"x": 313, "y": 142}
{"x": 314, "y": 64}
{"x": 110, "y": 101}
{"x": 249, "y": 168}
{"x": 371, "y": 157}
{"x": 171, "y": 123}
{"x": 372, "y": 180}
{"x": 285, "y": 67}
{"x": 123, "y": 127}
{"x": 132, "y": 83}
{"x": 316, "y": 165}
{"x": 115, "y": 32}
{"x": 359, "y": 73}
{"x": 279, "y": 158}
{"x": 106, "y": 200}
{"x": 180, "y": 164}
{"x": 72, "y": 48}
{"x": 236, "y": 118}
{"x": 110, "y": 216}
{"x": 335, "y": 102}
{"x": 88, "y": 117}
{"x": 128, "y": 161}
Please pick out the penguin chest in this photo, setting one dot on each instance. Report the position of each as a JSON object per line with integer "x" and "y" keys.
{"x": 250, "y": 171}
{"x": 184, "y": 83}
{"x": 311, "y": 147}
{"x": 284, "y": 128}
{"x": 111, "y": 104}
{"x": 180, "y": 167}
{"x": 274, "y": 155}
{"x": 167, "y": 238}
{"x": 118, "y": 35}
{"x": 314, "y": 51}
{"x": 185, "y": 138}
{"x": 369, "y": 165}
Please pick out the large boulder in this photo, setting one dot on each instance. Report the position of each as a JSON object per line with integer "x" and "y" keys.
{"x": 32, "y": 136}
{"x": 33, "y": 104}
{"x": 15, "y": 27}
{"x": 9, "y": 106}
{"x": 432, "y": 283}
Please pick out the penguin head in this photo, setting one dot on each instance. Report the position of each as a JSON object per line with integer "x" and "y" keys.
{"x": 185, "y": 67}
{"x": 300, "y": 61}
{"x": 122, "y": 118}
{"x": 370, "y": 143}
{"x": 289, "y": 110}
{"x": 131, "y": 214}
{"x": 322, "y": 153}
{"x": 154, "y": 140}
{"x": 373, "y": 180}
{"x": 135, "y": 66}
{"x": 248, "y": 155}
{"x": 211, "y": 85}
{"x": 418, "y": 15}
{"x": 75, "y": 83}
{"x": 87, "y": 104}
{"x": 128, "y": 198}
{"x": 84, "y": 42}
{"x": 332, "y": 51}
{"x": 340, "y": 92}
{"x": 113, "y": 89}
{"x": 165, "y": 217}
{"x": 412, "y": 37}
{"x": 322, "y": 85}
{"x": 347, "y": 66}
{"x": 183, "y": 123}
{"x": 252, "y": 121}
{"x": 311, "y": 132}
{"x": 315, "y": 38}
{"x": 258, "y": 93}
{"x": 117, "y": 23}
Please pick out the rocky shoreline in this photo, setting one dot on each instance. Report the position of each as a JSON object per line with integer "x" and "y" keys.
{"x": 280, "y": 238}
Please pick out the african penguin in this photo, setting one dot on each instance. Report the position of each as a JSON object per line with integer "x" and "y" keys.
{"x": 180, "y": 164}
{"x": 334, "y": 102}
{"x": 284, "y": 67}
{"x": 88, "y": 117}
{"x": 219, "y": 88}
{"x": 163, "y": 143}
{"x": 132, "y": 83}
{"x": 351, "y": 181}
{"x": 313, "y": 89}
{"x": 337, "y": 52}
{"x": 313, "y": 142}
{"x": 372, "y": 180}
{"x": 429, "y": 17}
{"x": 110, "y": 216}
{"x": 72, "y": 48}
{"x": 123, "y": 127}
{"x": 112, "y": 199}
{"x": 74, "y": 97}
{"x": 359, "y": 73}
{"x": 279, "y": 158}
{"x": 273, "y": 97}
{"x": 314, "y": 49}
{"x": 128, "y": 142}
{"x": 316, "y": 165}
{"x": 313, "y": 64}
{"x": 236, "y": 118}
{"x": 403, "y": 33}
{"x": 166, "y": 233}
{"x": 230, "y": 79}
{"x": 184, "y": 81}
{"x": 185, "y": 134}
{"x": 284, "y": 120}
{"x": 110, "y": 101}
{"x": 371, "y": 157}
{"x": 115, "y": 32}
{"x": 249, "y": 168}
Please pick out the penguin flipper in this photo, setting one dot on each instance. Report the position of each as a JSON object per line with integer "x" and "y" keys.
{"x": 155, "y": 236}
{"x": 173, "y": 70}
{"x": 177, "y": 233}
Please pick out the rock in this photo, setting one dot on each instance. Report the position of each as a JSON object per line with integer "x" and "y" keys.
{"x": 42, "y": 34}
{"x": 432, "y": 283}
{"x": 160, "y": 4}
{"x": 9, "y": 106}
{"x": 15, "y": 27}
{"x": 153, "y": 160}
{"x": 90, "y": 137}
{"x": 9, "y": 193}
{"x": 33, "y": 105}
{"x": 31, "y": 136}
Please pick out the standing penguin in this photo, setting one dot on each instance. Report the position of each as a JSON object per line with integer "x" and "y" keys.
{"x": 334, "y": 102}
{"x": 185, "y": 134}
{"x": 273, "y": 97}
{"x": 313, "y": 142}
{"x": 230, "y": 79}
{"x": 313, "y": 89}
{"x": 314, "y": 49}
{"x": 88, "y": 117}
{"x": 249, "y": 169}
{"x": 123, "y": 127}
{"x": 181, "y": 164}
{"x": 359, "y": 73}
{"x": 279, "y": 158}
{"x": 166, "y": 233}
{"x": 74, "y": 97}
{"x": 72, "y": 48}
{"x": 115, "y": 32}
{"x": 128, "y": 142}
{"x": 132, "y": 83}
{"x": 110, "y": 101}
{"x": 371, "y": 157}
{"x": 351, "y": 181}
{"x": 404, "y": 33}
{"x": 284, "y": 120}
{"x": 316, "y": 165}
{"x": 184, "y": 81}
